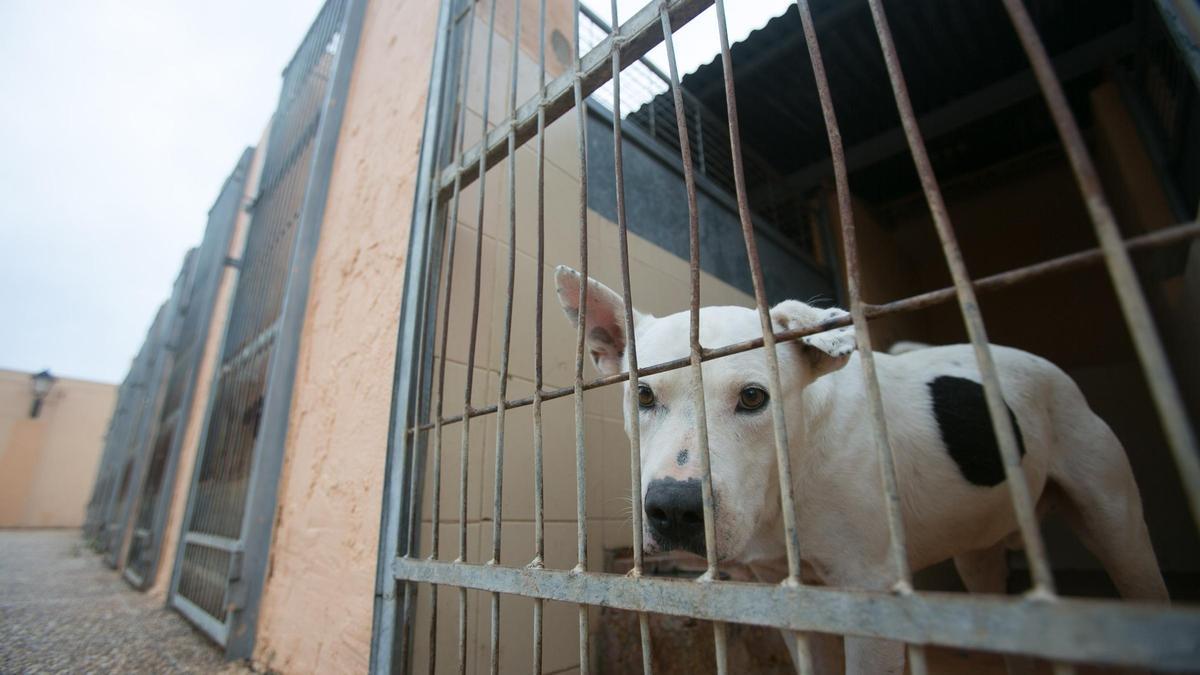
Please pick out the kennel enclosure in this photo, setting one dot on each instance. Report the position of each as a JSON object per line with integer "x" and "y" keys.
{"x": 414, "y": 561}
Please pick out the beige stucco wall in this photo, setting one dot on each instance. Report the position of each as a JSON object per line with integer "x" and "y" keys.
{"x": 48, "y": 464}
{"x": 317, "y": 601}
{"x": 204, "y": 376}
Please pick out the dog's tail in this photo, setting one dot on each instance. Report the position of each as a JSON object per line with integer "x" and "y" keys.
{"x": 905, "y": 346}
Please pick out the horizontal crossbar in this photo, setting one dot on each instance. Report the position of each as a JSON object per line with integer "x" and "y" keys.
{"x": 1065, "y": 263}
{"x": 1090, "y": 631}
{"x": 639, "y": 35}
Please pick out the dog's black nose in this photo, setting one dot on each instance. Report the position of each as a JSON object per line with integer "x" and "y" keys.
{"x": 675, "y": 512}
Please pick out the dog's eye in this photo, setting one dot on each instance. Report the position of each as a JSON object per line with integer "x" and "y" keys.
{"x": 752, "y": 398}
{"x": 645, "y": 396}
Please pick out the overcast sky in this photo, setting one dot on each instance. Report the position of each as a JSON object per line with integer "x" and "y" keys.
{"x": 120, "y": 121}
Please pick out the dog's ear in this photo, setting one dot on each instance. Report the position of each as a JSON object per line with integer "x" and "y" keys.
{"x": 605, "y": 318}
{"x": 826, "y": 351}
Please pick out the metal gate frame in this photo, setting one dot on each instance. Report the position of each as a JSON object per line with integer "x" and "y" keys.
{"x": 126, "y": 433}
{"x": 162, "y": 354}
{"x": 249, "y": 553}
{"x": 111, "y": 459}
{"x": 1040, "y": 623}
{"x": 130, "y": 399}
{"x": 120, "y": 465}
{"x": 97, "y": 509}
{"x": 210, "y": 260}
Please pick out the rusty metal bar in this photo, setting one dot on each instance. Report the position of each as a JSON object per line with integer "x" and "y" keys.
{"x": 1000, "y": 280}
{"x": 506, "y": 336}
{"x": 1095, "y": 631}
{"x": 639, "y": 35}
{"x": 1002, "y": 425}
{"x": 450, "y": 231}
{"x": 1066, "y": 263}
{"x": 539, "y": 501}
{"x": 887, "y": 465}
{"x": 465, "y": 447}
{"x": 694, "y": 347}
{"x": 1180, "y": 436}
{"x": 426, "y": 308}
{"x": 786, "y": 490}
{"x": 580, "y": 340}
{"x": 426, "y": 303}
{"x": 630, "y": 398}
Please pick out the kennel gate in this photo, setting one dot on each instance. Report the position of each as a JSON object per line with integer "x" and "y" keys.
{"x": 117, "y": 440}
{"x": 221, "y": 559}
{"x": 1040, "y": 624}
{"x": 94, "y": 523}
{"x": 130, "y": 426}
{"x": 141, "y": 448}
{"x": 187, "y": 348}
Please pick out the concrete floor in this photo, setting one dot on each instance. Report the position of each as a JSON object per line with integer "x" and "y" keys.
{"x": 63, "y": 610}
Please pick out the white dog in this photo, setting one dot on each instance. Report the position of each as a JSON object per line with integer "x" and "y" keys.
{"x": 951, "y": 480}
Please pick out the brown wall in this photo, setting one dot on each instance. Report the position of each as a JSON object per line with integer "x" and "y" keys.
{"x": 48, "y": 464}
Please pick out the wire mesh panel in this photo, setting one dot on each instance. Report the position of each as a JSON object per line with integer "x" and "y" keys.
{"x": 221, "y": 561}
{"x": 473, "y": 398}
{"x": 160, "y": 363}
{"x": 113, "y": 458}
{"x": 94, "y": 524}
{"x": 187, "y": 346}
{"x": 126, "y": 436}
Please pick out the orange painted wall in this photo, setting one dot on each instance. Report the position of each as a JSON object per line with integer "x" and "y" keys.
{"x": 317, "y": 602}
{"x": 48, "y": 464}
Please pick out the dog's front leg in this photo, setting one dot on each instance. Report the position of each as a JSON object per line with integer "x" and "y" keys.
{"x": 823, "y": 650}
{"x": 868, "y": 656}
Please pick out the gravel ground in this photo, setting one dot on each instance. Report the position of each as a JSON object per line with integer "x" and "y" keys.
{"x": 63, "y": 610}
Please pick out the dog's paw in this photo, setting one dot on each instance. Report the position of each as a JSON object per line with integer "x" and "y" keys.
{"x": 838, "y": 342}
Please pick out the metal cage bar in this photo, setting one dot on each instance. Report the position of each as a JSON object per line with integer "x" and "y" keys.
{"x": 539, "y": 511}
{"x": 96, "y": 528}
{"x": 159, "y": 355}
{"x": 465, "y": 441}
{"x": 896, "y": 532}
{"x": 1171, "y": 412}
{"x": 145, "y": 447}
{"x": 630, "y": 398}
{"x": 116, "y": 472}
{"x": 506, "y": 336}
{"x": 580, "y": 340}
{"x": 1002, "y": 425}
{"x": 388, "y": 613}
{"x": 1040, "y": 625}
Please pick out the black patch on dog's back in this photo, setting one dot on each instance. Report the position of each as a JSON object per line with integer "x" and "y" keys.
{"x": 962, "y": 416}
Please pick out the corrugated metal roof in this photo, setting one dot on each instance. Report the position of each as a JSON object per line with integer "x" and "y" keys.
{"x": 948, "y": 51}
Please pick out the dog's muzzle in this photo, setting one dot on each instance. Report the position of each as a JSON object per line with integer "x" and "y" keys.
{"x": 675, "y": 514}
